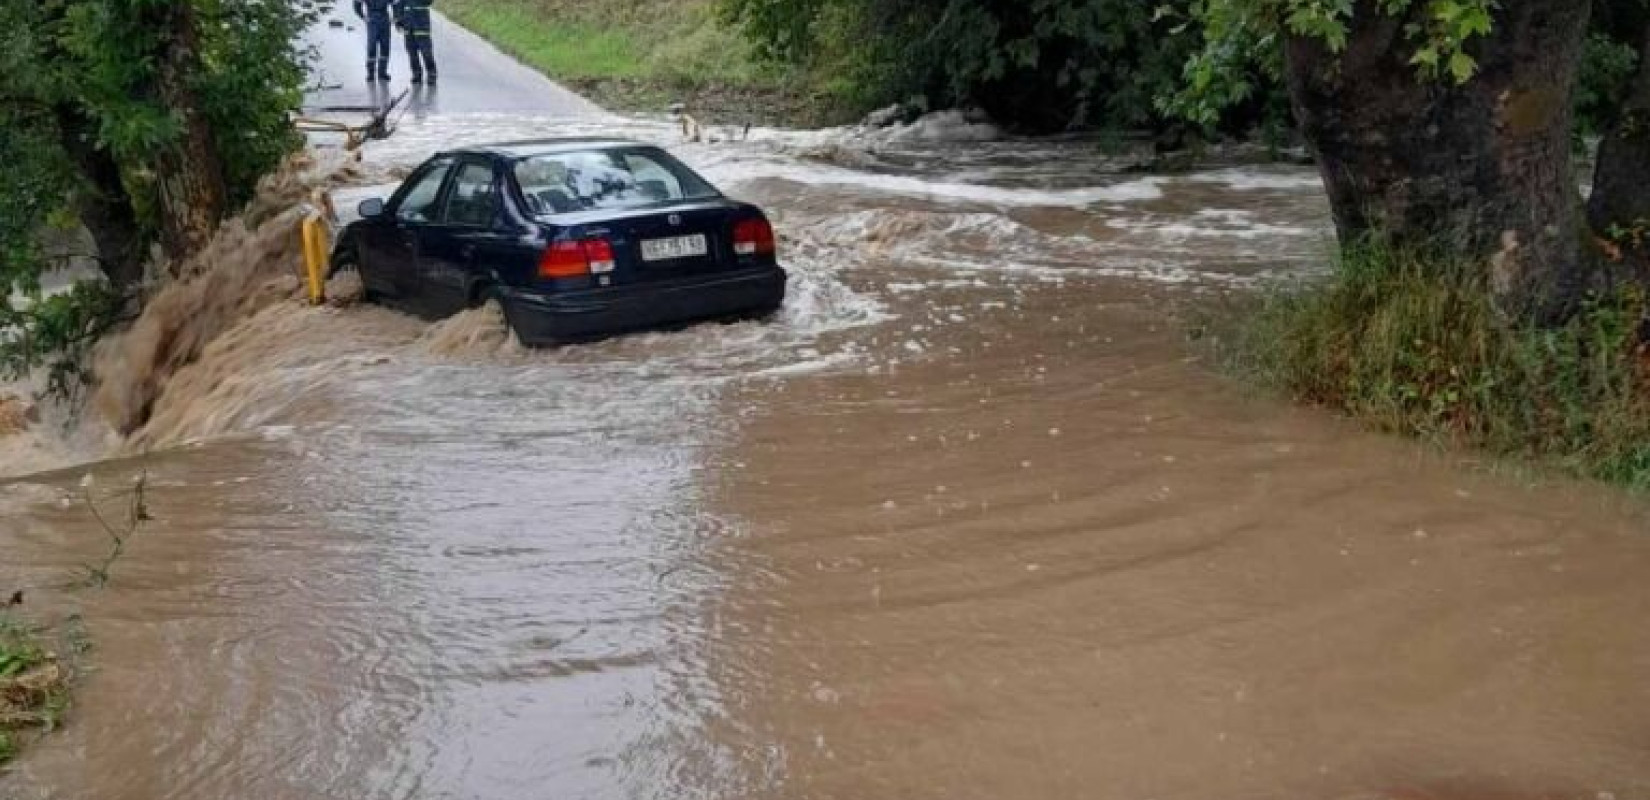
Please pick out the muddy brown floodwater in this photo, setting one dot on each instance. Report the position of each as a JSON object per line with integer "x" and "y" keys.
{"x": 970, "y": 520}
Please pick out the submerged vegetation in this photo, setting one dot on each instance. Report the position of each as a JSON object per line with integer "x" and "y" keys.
{"x": 1411, "y": 343}
{"x": 35, "y": 678}
{"x": 33, "y": 684}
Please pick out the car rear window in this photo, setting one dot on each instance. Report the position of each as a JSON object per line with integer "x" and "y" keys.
{"x": 593, "y": 180}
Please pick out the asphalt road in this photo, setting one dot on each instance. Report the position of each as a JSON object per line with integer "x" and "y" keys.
{"x": 475, "y": 76}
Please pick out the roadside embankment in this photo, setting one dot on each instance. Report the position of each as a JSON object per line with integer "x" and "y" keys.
{"x": 642, "y": 56}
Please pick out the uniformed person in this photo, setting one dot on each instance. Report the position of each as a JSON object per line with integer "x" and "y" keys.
{"x": 413, "y": 18}
{"x": 377, "y": 15}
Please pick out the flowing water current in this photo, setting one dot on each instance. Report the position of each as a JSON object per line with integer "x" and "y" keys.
{"x": 970, "y": 519}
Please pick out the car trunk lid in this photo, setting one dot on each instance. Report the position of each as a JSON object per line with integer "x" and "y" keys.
{"x": 655, "y": 244}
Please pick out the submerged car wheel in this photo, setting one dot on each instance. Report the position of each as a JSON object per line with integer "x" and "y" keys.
{"x": 350, "y": 261}
{"x": 491, "y": 296}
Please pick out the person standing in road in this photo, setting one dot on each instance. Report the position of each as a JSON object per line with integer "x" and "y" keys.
{"x": 377, "y": 15}
{"x": 413, "y": 18}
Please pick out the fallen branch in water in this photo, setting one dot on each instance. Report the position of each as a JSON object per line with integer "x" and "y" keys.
{"x": 137, "y": 513}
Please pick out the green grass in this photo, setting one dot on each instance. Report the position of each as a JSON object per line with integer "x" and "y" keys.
{"x": 678, "y": 43}
{"x": 646, "y": 55}
{"x": 568, "y": 50}
{"x": 1413, "y": 345}
{"x": 33, "y": 686}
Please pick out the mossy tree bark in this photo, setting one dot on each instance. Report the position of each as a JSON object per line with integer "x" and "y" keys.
{"x": 193, "y": 198}
{"x": 1481, "y": 169}
{"x": 101, "y": 202}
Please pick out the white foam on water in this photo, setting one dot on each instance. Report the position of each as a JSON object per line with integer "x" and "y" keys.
{"x": 1253, "y": 179}
{"x": 941, "y": 189}
{"x": 1211, "y": 223}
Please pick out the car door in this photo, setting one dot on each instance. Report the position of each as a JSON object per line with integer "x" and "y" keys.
{"x": 449, "y": 251}
{"x": 389, "y": 261}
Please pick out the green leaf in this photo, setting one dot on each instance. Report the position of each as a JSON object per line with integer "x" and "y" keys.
{"x": 1462, "y": 67}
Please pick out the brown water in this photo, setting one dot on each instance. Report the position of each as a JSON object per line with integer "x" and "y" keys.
{"x": 968, "y": 521}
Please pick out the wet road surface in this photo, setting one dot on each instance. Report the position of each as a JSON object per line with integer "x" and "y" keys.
{"x": 475, "y": 76}
{"x": 969, "y": 520}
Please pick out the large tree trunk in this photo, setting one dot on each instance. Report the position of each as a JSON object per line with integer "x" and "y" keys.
{"x": 1620, "y": 206}
{"x": 1482, "y": 169}
{"x": 101, "y": 201}
{"x": 191, "y": 179}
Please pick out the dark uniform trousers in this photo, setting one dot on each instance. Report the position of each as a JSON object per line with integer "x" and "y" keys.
{"x": 413, "y": 16}
{"x": 377, "y": 15}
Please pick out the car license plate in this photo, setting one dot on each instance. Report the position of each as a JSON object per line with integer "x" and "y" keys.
{"x": 674, "y": 248}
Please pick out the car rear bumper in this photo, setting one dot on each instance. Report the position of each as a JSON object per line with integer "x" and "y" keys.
{"x": 542, "y": 318}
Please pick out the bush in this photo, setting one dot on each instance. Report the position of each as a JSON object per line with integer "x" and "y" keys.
{"x": 57, "y": 333}
{"x": 1412, "y": 344}
{"x": 1606, "y": 68}
{"x": 1042, "y": 65}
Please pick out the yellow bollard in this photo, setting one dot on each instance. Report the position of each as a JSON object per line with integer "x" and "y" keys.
{"x": 315, "y": 258}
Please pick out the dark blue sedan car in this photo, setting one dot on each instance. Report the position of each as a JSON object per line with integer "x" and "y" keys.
{"x": 577, "y": 239}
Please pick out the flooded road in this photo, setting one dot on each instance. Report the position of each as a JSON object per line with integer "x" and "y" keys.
{"x": 969, "y": 520}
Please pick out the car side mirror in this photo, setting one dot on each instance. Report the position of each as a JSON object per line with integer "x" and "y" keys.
{"x": 371, "y": 209}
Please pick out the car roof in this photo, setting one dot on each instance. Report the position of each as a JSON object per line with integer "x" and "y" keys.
{"x": 534, "y": 147}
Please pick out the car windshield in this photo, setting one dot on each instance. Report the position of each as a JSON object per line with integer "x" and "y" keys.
{"x": 594, "y": 180}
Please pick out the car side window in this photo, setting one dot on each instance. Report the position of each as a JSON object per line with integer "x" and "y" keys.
{"x": 473, "y": 199}
{"x": 419, "y": 204}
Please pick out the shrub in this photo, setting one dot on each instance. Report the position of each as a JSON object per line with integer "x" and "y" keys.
{"x": 1412, "y": 344}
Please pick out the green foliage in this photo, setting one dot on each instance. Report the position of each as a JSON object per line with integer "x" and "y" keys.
{"x": 1412, "y": 344}
{"x": 1044, "y": 64}
{"x": 250, "y": 78}
{"x": 1242, "y": 36}
{"x": 93, "y": 64}
{"x": 57, "y": 332}
{"x": 32, "y": 191}
{"x": 1606, "y": 69}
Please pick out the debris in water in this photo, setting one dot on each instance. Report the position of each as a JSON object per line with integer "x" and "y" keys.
{"x": 16, "y": 414}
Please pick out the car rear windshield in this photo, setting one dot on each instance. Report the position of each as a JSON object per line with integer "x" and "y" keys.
{"x": 595, "y": 180}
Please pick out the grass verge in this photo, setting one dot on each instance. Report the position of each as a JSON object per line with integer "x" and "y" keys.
{"x": 640, "y": 55}
{"x": 34, "y": 685}
{"x": 1412, "y": 345}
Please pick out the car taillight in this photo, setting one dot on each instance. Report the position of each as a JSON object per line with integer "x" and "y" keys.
{"x": 575, "y": 259}
{"x": 599, "y": 252}
{"x": 753, "y": 237}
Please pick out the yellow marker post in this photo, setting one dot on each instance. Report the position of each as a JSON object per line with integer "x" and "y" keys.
{"x": 315, "y": 258}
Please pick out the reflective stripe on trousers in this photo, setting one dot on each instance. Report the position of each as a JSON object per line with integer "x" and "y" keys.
{"x": 378, "y": 47}
{"x": 421, "y": 53}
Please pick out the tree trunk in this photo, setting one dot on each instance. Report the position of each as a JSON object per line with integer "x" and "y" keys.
{"x": 190, "y": 176}
{"x": 1620, "y": 206}
{"x": 101, "y": 201}
{"x": 1481, "y": 170}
